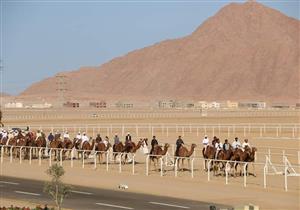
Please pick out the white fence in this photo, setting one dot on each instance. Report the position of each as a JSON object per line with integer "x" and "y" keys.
{"x": 142, "y": 163}
{"x": 259, "y": 130}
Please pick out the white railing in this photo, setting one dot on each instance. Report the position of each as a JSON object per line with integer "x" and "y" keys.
{"x": 60, "y": 156}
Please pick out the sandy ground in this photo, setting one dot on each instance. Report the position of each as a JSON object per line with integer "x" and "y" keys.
{"x": 274, "y": 197}
{"x": 182, "y": 187}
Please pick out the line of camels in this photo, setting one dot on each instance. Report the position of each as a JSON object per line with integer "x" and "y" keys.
{"x": 158, "y": 151}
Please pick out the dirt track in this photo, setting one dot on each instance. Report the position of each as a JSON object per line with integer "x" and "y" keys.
{"x": 274, "y": 197}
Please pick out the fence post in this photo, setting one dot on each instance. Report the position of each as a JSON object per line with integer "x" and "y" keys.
{"x": 50, "y": 157}
{"x": 299, "y": 157}
{"x": 285, "y": 178}
{"x": 95, "y": 160}
{"x": 283, "y": 156}
{"x": 176, "y": 161}
{"x": 245, "y": 175}
{"x": 20, "y": 155}
{"x": 72, "y": 156}
{"x": 265, "y": 176}
{"x": 30, "y": 155}
{"x": 2, "y": 151}
{"x": 147, "y": 165}
{"x": 61, "y": 156}
{"x": 83, "y": 155}
{"x": 226, "y": 172}
{"x": 192, "y": 167}
{"x": 11, "y": 153}
{"x": 269, "y": 154}
{"x": 40, "y": 156}
{"x": 161, "y": 166}
{"x": 208, "y": 170}
{"x": 133, "y": 164}
{"x": 120, "y": 163}
{"x": 107, "y": 161}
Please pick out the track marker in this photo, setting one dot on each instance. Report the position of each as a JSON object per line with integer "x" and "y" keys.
{"x": 114, "y": 206}
{"x": 171, "y": 205}
{"x": 12, "y": 183}
{"x": 80, "y": 192}
{"x": 27, "y": 193}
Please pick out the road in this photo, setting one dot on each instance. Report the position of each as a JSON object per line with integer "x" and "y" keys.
{"x": 84, "y": 198}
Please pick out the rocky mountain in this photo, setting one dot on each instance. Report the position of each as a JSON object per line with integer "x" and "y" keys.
{"x": 246, "y": 51}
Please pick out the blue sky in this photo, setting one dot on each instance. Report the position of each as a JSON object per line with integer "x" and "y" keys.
{"x": 41, "y": 38}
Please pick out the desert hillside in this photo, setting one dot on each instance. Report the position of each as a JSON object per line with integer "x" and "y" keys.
{"x": 246, "y": 51}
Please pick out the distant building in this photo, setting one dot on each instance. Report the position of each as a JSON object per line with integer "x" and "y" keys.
{"x": 231, "y": 104}
{"x": 14, "y": 105}
{"x": 201, "y": 105}
{"x": 255, "y": 105}
{"x": 100, "y": 104}
{"x": 166, "y": 104}
{"x": 41, "y": 106}
{"x": 71, "y": 104}
{"x": 280, "y": 106}
{"x": 124, "y": 105}
{"x": 214, "y": 105}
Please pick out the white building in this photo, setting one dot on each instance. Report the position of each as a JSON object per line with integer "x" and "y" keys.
{"x": 41, "y": 106}
{"x": 14, "y": 105}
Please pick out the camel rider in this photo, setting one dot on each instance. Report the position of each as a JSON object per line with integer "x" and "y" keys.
{"x": 116, "y": 139}
{"x": 154, "y": 143}
{"x": 226, "y": 145}
{"x": 246, "y": 144}
{"x": 78, "y": 136}
{"x": 50, "y": 137}
{"x": 205, "y": 142}
{"x": 179, "y": 143}
{"x": 128, "y": 138}
{"x": 106, "y": 141}
{"x": 218, "y": 146}
{"x": 236, "y": 144}
{"x": 98, "y": 138}
{"x": 145, "y": 146}
{"x": 4, "y": 134}
{"x": 84, "y": 138}
{"x": 66, "y": 135}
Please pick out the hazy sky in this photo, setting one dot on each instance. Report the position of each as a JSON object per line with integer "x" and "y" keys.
{"x": 41, "y": 38}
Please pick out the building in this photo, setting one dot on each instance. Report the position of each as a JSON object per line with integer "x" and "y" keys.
{"x": 124, "y": 105}
{"x": 214, "y": 105}
{"x": 166, "y": 104}
{"x": 280, "y": 106}
{"x": 71, "y": 104}
{"x": 13, "y": 105}
{"x": 254, "y": 105}
{"x": 201, "y": 105}
{"x": 41, "y": 106}
{"x": 231, "y": 105}
{"x": 100, "y": 104}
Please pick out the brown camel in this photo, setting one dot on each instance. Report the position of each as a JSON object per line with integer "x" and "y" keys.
{"x": 183, "y": 153}
{"x": 118, "y": 148}
{"x": 87, "y": 148}
{"x": 131, "y": 148}
{"x": 209, "y": 153}
{"x": 55, "y": 145}
{"x": 248, "y": 155}
{"x": 158, "y": 152}
{"x": 101, "y": 148}
{"x": 68, "y": 145}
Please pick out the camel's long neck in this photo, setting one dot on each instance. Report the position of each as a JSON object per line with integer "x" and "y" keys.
{"x": 165, "y": 151}
{"x": 137, "y": 147}
{"x": 191, "y": 151}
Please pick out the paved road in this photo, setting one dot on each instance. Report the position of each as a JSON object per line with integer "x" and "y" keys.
{"x": 84, "y": 198}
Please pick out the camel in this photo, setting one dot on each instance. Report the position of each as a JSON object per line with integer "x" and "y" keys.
{"x": 68, "y": 145}
{"x": 56, "y": 144}
{"x": 208, "y": 153}
{"x": 183, "y": 153}
{"x": 118, "y": 148}
{"x": 158, "y": 152}
{"x": 87, "y": 148}
{"x": 101, "y": 148}
{"x": 131, "y": 148}
{"x": 248, "y": 155}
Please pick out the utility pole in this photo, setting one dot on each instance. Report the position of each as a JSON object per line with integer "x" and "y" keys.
{"x": 61, "y": 88}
